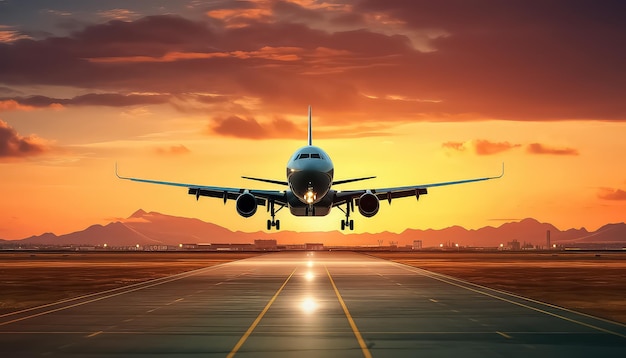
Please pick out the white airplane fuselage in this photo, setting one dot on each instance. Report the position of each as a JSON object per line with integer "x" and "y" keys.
{"x": 310, "y": 176}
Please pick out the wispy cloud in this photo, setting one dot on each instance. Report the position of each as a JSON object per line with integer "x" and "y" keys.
{"x": 250, "y": 128}
{"x": 91, "y": 99}
{"x": 118, "y": 14}
{"x": 486, "y": 147}
{"x": 9, "y": 34}
{"x": 481, "y": 146}
{"x": 173, "y": 150}
{"x": 538, "y": 148}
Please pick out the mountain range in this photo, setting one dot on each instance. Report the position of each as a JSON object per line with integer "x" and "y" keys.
{"x": 151, "y": 228}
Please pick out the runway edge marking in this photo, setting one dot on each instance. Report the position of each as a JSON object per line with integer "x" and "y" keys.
{"x": 245, "y": 336}
{"x": 190, "y": 273}
{"x": 449, "y": 280}
{"x": 430, "y": 273}
{"x": 355, "y": 330}
{"x": 133, "y": 288}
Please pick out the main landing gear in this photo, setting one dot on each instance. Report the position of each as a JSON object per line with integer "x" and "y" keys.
{"x": 347, "y": 223}
{"x": 273, "y": 223}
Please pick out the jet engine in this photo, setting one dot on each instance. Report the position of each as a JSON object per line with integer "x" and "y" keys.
{"x": 368, "y": 204}
{"x": 246, "y": 204}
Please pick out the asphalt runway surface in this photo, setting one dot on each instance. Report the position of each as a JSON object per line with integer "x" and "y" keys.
{"x": 307, "y": 304}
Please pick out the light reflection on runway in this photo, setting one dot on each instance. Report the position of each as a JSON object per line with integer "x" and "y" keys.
{"x": 307, "y": 304}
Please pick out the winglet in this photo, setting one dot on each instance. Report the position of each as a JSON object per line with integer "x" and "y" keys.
{"x": 310, "y": 130}
{"x": 117, "y": 175}
{"x": 501, "y": 174}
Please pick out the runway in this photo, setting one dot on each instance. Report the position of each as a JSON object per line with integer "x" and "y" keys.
{"x": 307, "y": 304}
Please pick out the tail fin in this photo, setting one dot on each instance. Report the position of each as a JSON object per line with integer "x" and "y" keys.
{"x": 310, "y": 130}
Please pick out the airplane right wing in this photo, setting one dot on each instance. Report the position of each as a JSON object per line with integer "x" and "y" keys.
{"x": 343, "y": 197}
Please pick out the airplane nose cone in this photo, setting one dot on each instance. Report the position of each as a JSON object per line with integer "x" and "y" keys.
{"x": 309, "y": 186}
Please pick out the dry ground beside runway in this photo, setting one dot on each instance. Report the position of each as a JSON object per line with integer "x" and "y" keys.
{"x": 592, "y": 283}
{"x": 31, "y": 279}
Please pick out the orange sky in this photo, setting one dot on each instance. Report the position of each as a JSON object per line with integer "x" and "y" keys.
{"x": 410, "y": 91}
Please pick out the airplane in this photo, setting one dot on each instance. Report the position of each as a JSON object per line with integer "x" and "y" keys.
{"x": 308, "y": 190}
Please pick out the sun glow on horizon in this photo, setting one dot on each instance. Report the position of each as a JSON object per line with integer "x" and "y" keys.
{"x": 402, "y": 92}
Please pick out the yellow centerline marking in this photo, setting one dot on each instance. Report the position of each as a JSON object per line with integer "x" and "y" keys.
{"x": 245, "y": 336}
{"x": 357, "y": 334}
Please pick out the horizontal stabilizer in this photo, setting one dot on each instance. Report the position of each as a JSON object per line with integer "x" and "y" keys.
{"x": 279, "y": 182}
{"x": 351, "y": 180}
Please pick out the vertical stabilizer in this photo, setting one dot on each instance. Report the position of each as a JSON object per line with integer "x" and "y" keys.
{"x": 310, "y": 129}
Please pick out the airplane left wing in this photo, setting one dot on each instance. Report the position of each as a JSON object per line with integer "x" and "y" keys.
{"x": 225, "y": 193}
{"x": 342, "y": 197}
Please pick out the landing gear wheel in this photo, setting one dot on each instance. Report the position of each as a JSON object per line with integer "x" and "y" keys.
{"x": 347, "y": 222}
{"x": 273, "y": 223}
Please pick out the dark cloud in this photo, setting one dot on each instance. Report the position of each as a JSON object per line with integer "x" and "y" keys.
{"x": 611, "y": 194}
{"x": 8, "y": 91}
{"x": 13, "y": 145}
{"x": 522, "y": 60}
{"x": 289, "y": 11}
{"x": 513, "y": 60}
{"x": 93, "y": 99}
{"x": 538, "y": 148}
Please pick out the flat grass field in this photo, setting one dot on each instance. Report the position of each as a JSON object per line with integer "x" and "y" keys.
{"x": 588, "y": 282}
{"x": 593, "y": 283}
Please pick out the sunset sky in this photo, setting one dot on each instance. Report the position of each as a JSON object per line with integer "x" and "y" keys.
{"x": 412, "y": 91}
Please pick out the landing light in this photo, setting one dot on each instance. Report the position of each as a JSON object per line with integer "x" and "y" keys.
{"x": 309, "y": 276}
{"x": 310, "y": 196}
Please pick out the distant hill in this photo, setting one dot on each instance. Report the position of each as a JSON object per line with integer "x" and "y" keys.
{"x": 158, "y": 229}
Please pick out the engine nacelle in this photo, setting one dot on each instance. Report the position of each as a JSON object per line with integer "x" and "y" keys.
{"x": 368, "y": 204}
{"x": 246, "y": 205}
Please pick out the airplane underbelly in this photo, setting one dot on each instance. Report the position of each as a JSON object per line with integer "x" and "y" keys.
{"x": 321, "y": 208}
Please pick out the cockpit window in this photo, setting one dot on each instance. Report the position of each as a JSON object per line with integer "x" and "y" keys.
{"x": 310, "y": 155}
